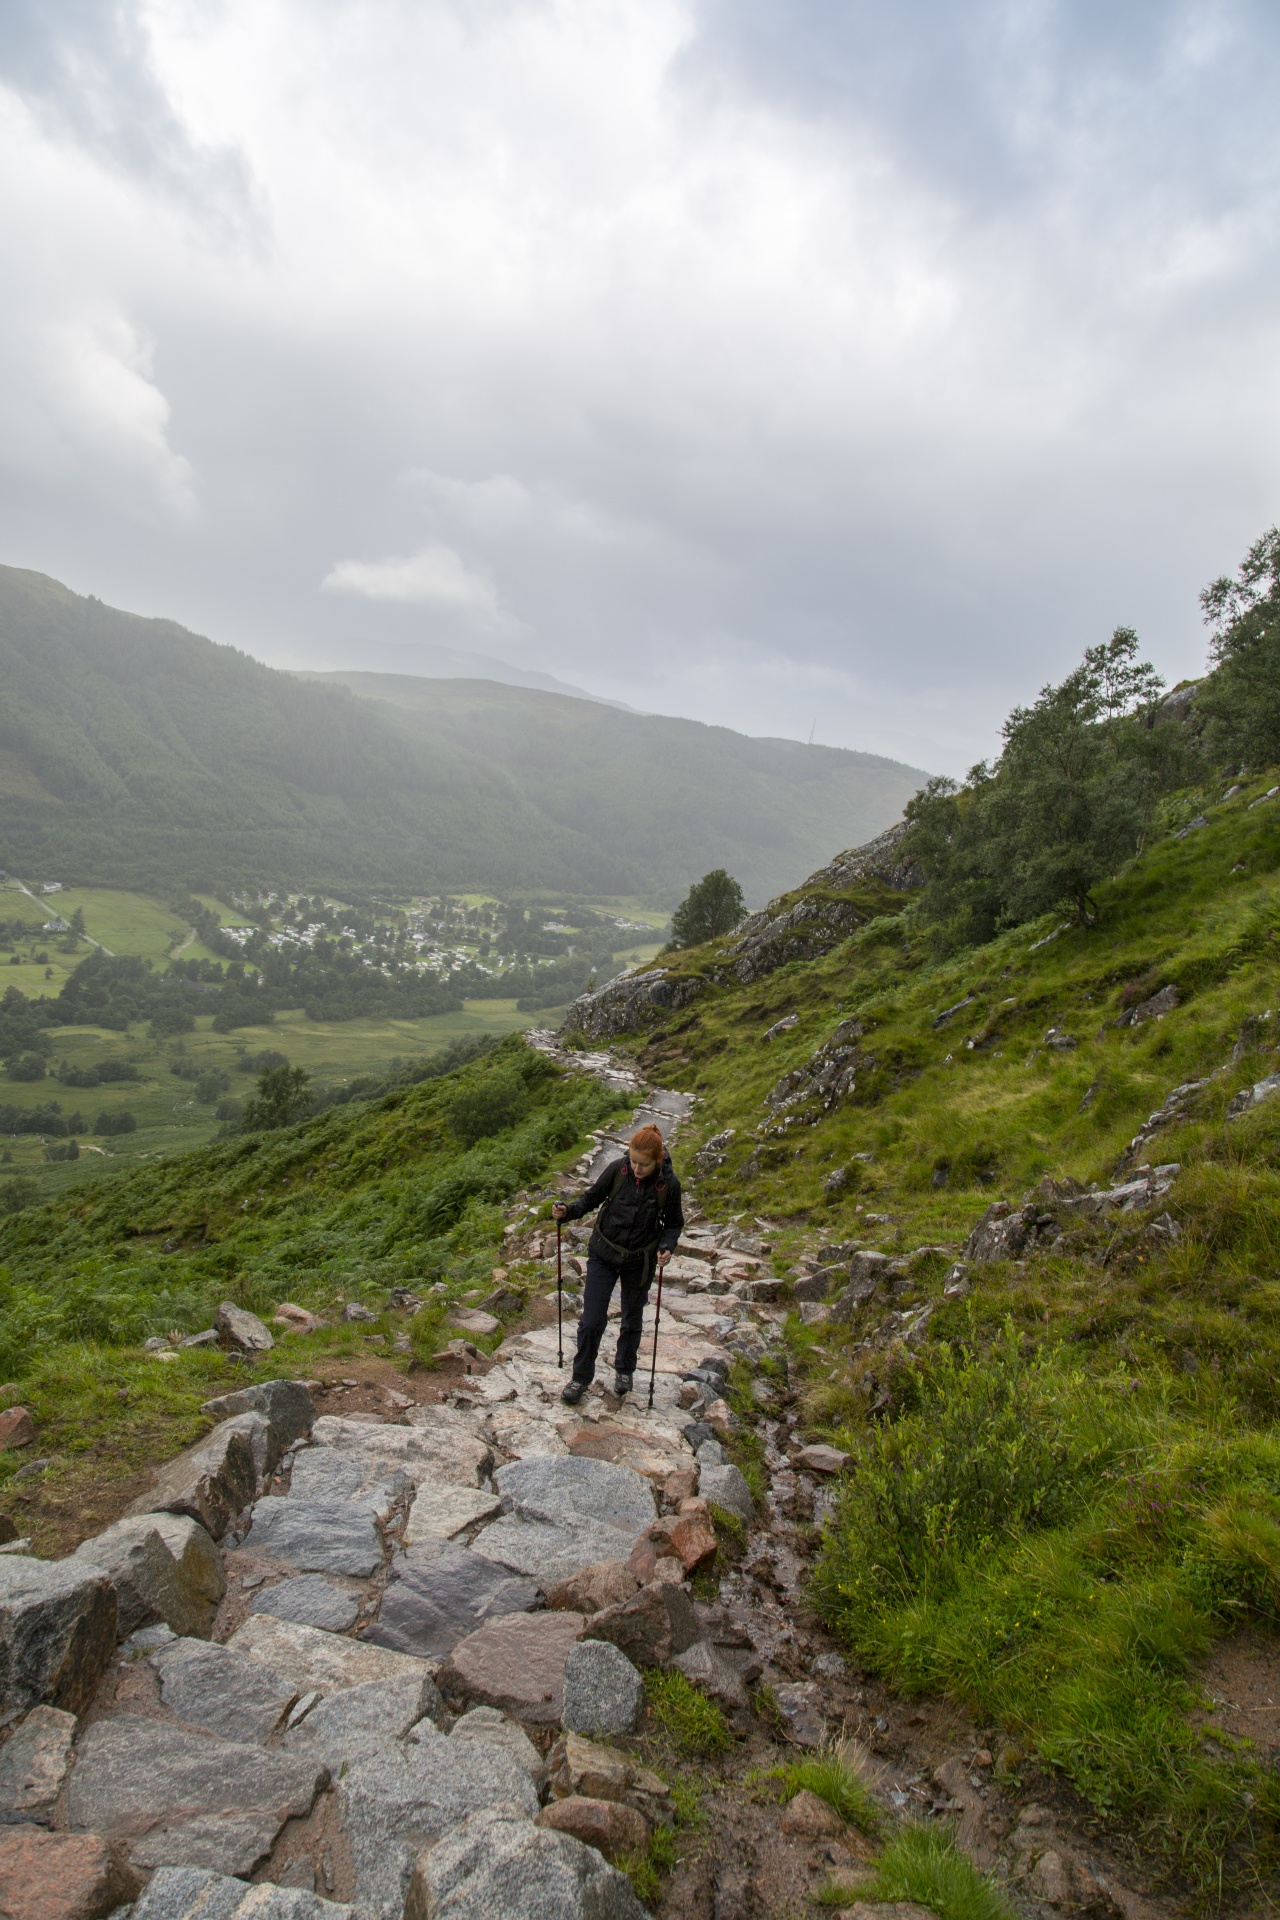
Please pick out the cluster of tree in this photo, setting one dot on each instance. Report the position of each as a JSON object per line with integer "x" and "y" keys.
{"x": 49, "y": 1120}
{"x": 1074, "y": 791}
{"x": 710, "y": 909}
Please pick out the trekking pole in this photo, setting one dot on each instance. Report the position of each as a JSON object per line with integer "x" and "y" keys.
{"x": 559, "y": 1300}
{"x": 657, "y": 1315}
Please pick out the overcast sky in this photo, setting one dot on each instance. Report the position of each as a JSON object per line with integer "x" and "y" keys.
{"x": 785, "y": 363}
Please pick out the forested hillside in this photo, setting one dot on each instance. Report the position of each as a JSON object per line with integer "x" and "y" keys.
{"x": 137, "y": 754}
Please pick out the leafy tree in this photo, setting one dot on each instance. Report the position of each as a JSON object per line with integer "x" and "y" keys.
{"x": 119, "y": 1121}
{"x": 1067, "y": 802}
{"x": 711, "y": 907}
{"x": 283, "y": 1098}
{"x": 1242, "y": 697}
{"x": 27, "y": 1066}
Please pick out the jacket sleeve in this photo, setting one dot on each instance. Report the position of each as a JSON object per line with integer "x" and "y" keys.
{"x": 670, "y": 1235}
{"x": 595, "y": 1194}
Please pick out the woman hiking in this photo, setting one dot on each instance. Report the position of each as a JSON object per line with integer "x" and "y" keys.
{"x": 640, "y": 1222}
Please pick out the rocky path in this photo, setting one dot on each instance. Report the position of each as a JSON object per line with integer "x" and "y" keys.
{"x": 389, "y": 1666}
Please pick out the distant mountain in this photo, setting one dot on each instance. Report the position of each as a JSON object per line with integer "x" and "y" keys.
{"x": 133, "y": 752}
{"x": 455, "y": 663}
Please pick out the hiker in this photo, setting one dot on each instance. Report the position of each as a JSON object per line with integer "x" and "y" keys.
{"x": 640, "y": 1222}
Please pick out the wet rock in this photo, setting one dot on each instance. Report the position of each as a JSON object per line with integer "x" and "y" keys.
{"x": 443, "y": 1596}
{"x": 499, "y": 1862}
{"x": 210, "y": 1686}
{"x": 308, "y": 1658}
{"x": 311, "y": 1601}
{"x": 608, "y": 1825}
{"x": 286, "y": 1406}
{"x": 396, "y": 1798}
{"x": 61, "y": 1876}
{"x": 603, "y": 1693}
{"x": 17, "y": 1429}
{"x": 806, "y": 1817}
{"x": 211, "y": 1482}
{"x": 580, "y": 1766}
{"x": 516, "y": 1663}
{"x": 800, "y": 1704}
{"x": 605, "y": 1584}
{"x": 725, "y": 1487}
{"x": 316, "y": 1536}
{"x": 494, "y": 1728}
{"x": 57, "y": 1631}
{"x": 149, "y": 1781}
{"x": 713, "y": 1674}
{"x": 193, "y": 1893}
{"x": 239, "y": 1328}
{"x": 339, "y": 1728}
{"x": 33, "y": 1764}
{"x": 654, "y": 1624}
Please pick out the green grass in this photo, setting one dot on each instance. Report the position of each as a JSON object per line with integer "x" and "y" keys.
{"x": 834, "y": 1779}
{"x": 693, "y": 1723}
{"x": 922, "y": 1865}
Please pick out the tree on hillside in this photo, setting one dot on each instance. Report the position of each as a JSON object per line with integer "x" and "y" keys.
{"x": 1242, "y": 697}
{"x": 711, "y": 907}
{"x": 283, "y": 1098}
{"x": 1065, "y": 805}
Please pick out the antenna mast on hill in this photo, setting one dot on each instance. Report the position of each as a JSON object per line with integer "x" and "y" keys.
{"x": 813, "y": 729}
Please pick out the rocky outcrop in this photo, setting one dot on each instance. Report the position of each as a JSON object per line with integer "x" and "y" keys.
{"x": 817, "y": 919}
{"x": 827, "y": 1077}
{"x": 630, "y": 1001}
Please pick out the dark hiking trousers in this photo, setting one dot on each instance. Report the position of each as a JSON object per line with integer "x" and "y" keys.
{"x": 636, "y": 1276}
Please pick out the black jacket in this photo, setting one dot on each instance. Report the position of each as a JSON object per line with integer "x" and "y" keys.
{"x": 641, "y": 1213}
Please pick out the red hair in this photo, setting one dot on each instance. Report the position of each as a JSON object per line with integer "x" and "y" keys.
{"x": 648, "y": 1142}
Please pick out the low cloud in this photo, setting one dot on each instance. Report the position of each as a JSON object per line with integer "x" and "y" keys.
{"x": 435, "y": 577}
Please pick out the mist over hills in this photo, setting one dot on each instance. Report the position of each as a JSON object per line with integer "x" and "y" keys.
{"x": 136, "y": 753}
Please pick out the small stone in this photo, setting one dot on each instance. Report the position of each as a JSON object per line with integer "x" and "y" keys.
{"x": 301, "y": 1709}
{"x": 709, "y": 1454}
{"x": 294, "y": 1319}
{"x": 473, "y": 1320}
{"x": 605, "y": 1584}
{"x": 474, "y": 1871}
{"x": 800, "y": 1704}
{"x": 17, "y": 1429}
{"x": 603, "y": 1693}
{"x": 719, "y": 1417}
{"x": 356, "y": 1311}
{"x": 208, "y": 1337}
{"x": 397, "y": 1401}
{"x": 829, "y": 1666}
{"x": 806, "y": 1817}
{"x": 516, "y": 1663}
{"x": 241, "y": 1329}
{"x": 821, "y": 1459}
{"x": 725, "y": 1487}
{"x": 694, "y": 1542}
{"x": 494, "y": 1728}
{"x": 680, "y": 1485}
{"x": 312, "y": 1601}
{"x": 713, "y": 1674}
{"x": 34, "y": 1762}
{"x": 609, "y": 1826}
{"x": 61, "y": 1876}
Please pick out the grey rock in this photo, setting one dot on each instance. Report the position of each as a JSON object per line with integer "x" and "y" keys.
{"x": 437, "y": 1447}
{"x": 210, "y": 1686}
{"x": 193, "y": 1893}
{"x": 396, "y": 1798}
{"x": 311, "y": 1600}
{"x": 800, "y": 1704}
{"x": 1156, "y": 1007}
{"x": 317, "y": 1536}
{"x": 209, "y": 1338}
{"x": 57, "y": 1631}
{"x": 495, "y": 1728}
{"x": 135, "y": 1776}
{"x": 603, "y": 1693}
{"x": 725, "y": 1487}
{"x": 766, "y": 1290}
{"x": 1001, "y": 1234}
{"x": 498, "y": 1863}
{"x": 550, "y": 1553}
{"x": 566, "y": 1488}
{"x": 310, "y": 1658}
{"x": 339, "y": 1728}
{"x": 142, "y": 1571}
{"x": 147, "y": 1639}
{"x": 628, "y": 1002}
{"x": 445, "y": 1594}
{"x": 286, "y": 1405}
{"x": 220, "y": 1842}
{"x": 814, "y": 1286}
{"x": 709, "y": 1454}
{"x": 713, "y": 1674}
{"x": 1254, "y": 1096}
{"x": 33, "y": 1764}
{"x": 322, "y": 1473}
{"x": 515, "y": 1662}
{"x": 211, "y": 1482}
{"x": 241, "y": 1329}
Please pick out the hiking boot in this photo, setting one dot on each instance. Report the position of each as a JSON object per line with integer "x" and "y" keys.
{"x": 621, "y": 1384}
{"x": 573, "y": 1392}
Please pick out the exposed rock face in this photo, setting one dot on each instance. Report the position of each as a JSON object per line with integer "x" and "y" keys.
{"x": 819, "y": 919}
{"x": 629, "y": 1001}
{"x": 1153, "y": 1009}
{"x": 1250, "y": 1097}
{"x": 211, "y": 1482}
{"x": 499, "y": 1862}
{"x": 1001, "y": 1234}
{"x": 63, "y": 1876}
{"x": 57, "y": 1631}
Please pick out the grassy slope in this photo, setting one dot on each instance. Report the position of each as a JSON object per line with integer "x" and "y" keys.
{"x": 1055, "y": 1529}
{"x": 343, "y": 1207}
